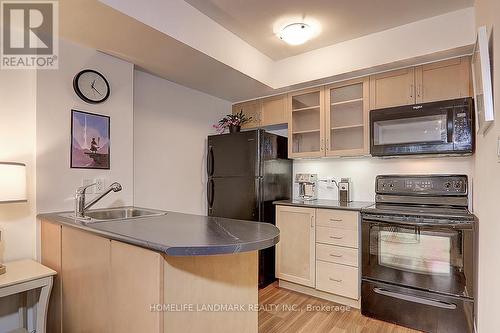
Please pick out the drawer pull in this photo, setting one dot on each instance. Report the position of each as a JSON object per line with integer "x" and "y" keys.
{"x": 335, "y": 280}
{"x": 336, "y": 220}
{"x": 335, "y": 237}
{"x": 335, "y": 255}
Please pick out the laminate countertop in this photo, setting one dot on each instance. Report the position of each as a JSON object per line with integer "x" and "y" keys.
{"x": 179, "y": 234}
{"x": 326, "y": 204}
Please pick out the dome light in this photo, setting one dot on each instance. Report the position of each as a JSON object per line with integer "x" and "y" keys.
{"x": 296, "y": 33}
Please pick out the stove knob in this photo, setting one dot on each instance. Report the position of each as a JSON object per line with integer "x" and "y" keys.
{"x": 447, "y": 185}
{"x": 458, "y": 185}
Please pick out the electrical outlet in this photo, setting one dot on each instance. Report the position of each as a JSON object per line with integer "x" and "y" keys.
{"x": 100, "y": 183}
{"x": 86, "y": 182}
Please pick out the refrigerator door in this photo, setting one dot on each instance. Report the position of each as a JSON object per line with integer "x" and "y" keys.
{"x": 234, "y": 155}
{"x": 234, "y": 197}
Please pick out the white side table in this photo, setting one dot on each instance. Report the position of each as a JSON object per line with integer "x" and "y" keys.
{"x": 26, "y": 275}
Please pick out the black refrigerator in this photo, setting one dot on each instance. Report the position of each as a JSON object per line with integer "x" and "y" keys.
{"x": 247, "y": 171}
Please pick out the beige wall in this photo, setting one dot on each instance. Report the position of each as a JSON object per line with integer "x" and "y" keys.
{"x": 171, "y": 124}
{"x": 487, "y": 180}
{"x": 56, "y": 182}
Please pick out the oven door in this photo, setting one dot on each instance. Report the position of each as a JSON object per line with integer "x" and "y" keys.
{"x": 421, "y": 129}
{"x": 432, "y": 257}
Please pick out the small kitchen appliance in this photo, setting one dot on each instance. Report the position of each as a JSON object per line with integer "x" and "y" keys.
{"x": 308, "y": 186}
{"x": 418, "y": 253}
{"x": 344, "y": 190}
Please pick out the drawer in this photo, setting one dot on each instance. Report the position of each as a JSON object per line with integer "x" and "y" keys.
{"x": 337, "y": 236}
{"x": 337, "y": 254}
{"x": 337, "y": 218}
{"x": 337, "y": 279}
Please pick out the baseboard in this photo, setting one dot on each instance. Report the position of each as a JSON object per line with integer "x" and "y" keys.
{"x": 320, "y": 294}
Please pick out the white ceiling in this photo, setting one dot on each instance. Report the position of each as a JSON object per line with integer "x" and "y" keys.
{"x": 340, "y": 20}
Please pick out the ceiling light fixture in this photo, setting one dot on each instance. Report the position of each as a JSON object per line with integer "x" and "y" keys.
{"x": 296, "y": 33}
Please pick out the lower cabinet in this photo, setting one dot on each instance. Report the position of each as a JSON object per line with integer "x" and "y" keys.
{"x": 335, "y": 254}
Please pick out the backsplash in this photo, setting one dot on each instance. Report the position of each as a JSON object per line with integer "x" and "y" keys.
{"x": 363, "y": 171}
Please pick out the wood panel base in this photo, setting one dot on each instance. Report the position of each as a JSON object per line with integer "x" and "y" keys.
{"x": 320, "y": 294}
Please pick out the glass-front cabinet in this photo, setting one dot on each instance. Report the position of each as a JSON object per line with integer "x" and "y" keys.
{"x": 347, "y": 107}
{"x": 306, "y": 126}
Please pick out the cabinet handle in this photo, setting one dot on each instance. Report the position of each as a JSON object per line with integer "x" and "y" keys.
{"x": 336, "y": 255}
{"x": 336, "y": 220}
{"x": 312, "y": 221}
{"x": 327, "y": 145}
{"x": 335, "y": 237}
{"x": 411, "y": 90}
{"x": 335, "y": 280}
{"x": 322, "y": 144}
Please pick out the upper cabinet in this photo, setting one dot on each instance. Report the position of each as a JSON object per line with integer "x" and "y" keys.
{"x": 306, "y": 137}
{"x": 264, "y": 112}
{"x": 443, "y": 80}
{"x": 392, "y": 88}
{"x": 436, "y": 81}
{"x": 346, "y": 123}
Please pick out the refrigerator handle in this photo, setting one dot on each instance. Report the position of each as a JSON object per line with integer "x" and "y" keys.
{"x": 210, "y": 161}
{"x": 210, "y": 193}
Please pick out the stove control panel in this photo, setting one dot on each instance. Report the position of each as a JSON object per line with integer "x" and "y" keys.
{"x": 422, "y": 185}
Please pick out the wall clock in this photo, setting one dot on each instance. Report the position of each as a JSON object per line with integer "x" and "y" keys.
{"x": 91, "y": 86}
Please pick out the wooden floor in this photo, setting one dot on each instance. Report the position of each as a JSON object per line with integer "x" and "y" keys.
{"x": 287, "y": 311}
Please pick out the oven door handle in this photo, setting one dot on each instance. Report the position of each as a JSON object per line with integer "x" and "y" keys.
{"x": 415, "y": 299}
{"x": 418, "y": 224}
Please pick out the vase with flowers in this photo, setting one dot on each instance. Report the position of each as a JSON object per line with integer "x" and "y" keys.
{"x": 232, "y": 122}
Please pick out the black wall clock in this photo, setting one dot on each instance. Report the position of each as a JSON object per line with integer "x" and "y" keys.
{"x": 91, "y": 86}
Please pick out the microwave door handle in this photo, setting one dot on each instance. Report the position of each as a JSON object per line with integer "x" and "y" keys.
{"x": 415, "y": 299}
{"x": 449, "y": 125}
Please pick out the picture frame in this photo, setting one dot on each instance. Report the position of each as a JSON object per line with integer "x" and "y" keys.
{"x": 90, "y": 140}
{"x": 482, "y": 81}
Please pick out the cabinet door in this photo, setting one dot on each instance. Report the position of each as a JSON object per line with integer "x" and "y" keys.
{"x": 443, "y": 80}
{"x": 295, "y": 253}
{"x": 86, "y": 282}
{"x": 274, "y": 111}
{"x": 251, "y": 109}
{"x": 306, "y": 123}
{"x": 136, "y": 284}
{"x": 346, "y": 125}
{"x": 392, "y": 88}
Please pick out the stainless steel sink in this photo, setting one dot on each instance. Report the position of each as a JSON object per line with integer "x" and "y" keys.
{"x": 123, "y": 213}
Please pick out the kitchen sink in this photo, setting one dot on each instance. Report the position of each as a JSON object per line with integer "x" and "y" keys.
{"x": 124, "y": 213}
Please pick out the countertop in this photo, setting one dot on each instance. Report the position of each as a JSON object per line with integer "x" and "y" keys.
{"x": 179, "y": 234}
{"x": 327, "y": 204}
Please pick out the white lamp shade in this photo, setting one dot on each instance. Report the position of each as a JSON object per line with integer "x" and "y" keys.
{"x": 12, "y": 182}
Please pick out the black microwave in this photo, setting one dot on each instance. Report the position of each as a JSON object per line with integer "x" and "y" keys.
{"x": 444, "y": 127}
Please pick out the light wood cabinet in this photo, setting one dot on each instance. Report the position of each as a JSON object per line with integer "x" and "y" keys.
{"x": 251, "y": 109}
{"x": 306, "y": 127}
{"x": 295, "y": 253}
{"x": 347, "y": 107}
{"x": 274, "y": 111}
{"x": 136, "y": 284}
{"x": 86, "y": 271}
{"x": 443, "y": 80}
{"x": 392, "y": 88}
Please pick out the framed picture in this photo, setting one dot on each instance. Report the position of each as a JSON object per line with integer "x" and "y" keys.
{"x": 481, "y": 76}
{"x": 90, "y": 140}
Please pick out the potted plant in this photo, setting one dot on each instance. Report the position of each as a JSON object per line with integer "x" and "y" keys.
{"x": 233, "y": 122}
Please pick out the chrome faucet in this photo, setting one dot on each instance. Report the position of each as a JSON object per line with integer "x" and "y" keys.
{"x": 81, "y": 207}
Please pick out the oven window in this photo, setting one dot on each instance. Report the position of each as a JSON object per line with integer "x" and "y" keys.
{"x": 410, "y": 130}
{"x": 409, "y": 250}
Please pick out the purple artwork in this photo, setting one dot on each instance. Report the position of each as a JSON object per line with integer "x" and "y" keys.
{"x": 89, "y": 140}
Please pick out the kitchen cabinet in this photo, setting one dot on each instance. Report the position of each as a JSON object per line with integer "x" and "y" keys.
{"x": 327, "y": 262}
{"x": 295, "y": 253}
{"x": 306, "y": 127}
{"x": 251, "y": 109}
{"x": 274, "y": 111}
{"x": 443, "y": 80}
{"x": 392, "y": 88}
{"x": 264, "y": 112}
{"x": 85, "y": 289}
{"x": 347, "y": 107}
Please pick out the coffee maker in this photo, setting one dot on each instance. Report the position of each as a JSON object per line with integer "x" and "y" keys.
{"x": 308, "y": 186}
